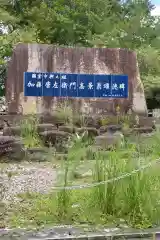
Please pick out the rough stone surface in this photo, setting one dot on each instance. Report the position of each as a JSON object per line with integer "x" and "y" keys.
{"x": 69, "y": 129}
{"x": 54, "y": 135}
{"x": 37, "y": 150}
{"x": 146, "y": 121}
{"x": 11, "y": 146}
{"x": 110, "y": 128}
{"x": 90, "y": 130}
{"x": 87, "y": 120}
{"x": 45, "y": 127}
{"x": 107, "y": 140}
{"x": 48, "y": 58}
{"x": 142, "y": 130}
{"x": 12, "y": 131}
{"x": 16, "y": 130}
{"x": 48, "y": 118}
{"x": 8, "y": 139}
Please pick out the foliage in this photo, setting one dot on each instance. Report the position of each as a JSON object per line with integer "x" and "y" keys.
{"x": 135, "y": 198}
{"x": 29, "y": 132}
{"x": 110, "y": 23}
{"x": 64, "y": 113}
{"x": 119, "y": 119}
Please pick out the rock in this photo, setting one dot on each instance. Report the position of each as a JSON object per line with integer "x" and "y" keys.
{"x": 45, "y": 127}
{"x": 37, "y": 154}
{"x": 53, "y": 136}
{"x": 103, "y": 129}
{"x": 92, "y": 132}
{"x": 52, "y": 119}
{"x": 142, "y": 130}
{"x": 144, "y": 136}
{"x": 69, "y": 129}
{"x": 110, "y": 128}
{"x": 8, "y": 139}
{"x": 146, "y": 121}
{"x": 16, "y": 130}
{"x": 107, "y": 141}
{"x": 17, "y": 153}
{"x": 86, "y": 121}
{"x": 93, "y": 121}
{"x": 1, "y": 126}
{"x": 11, "y": 147}
{"x": 88, "y": 60}
{"x": 37, "y": 150}
{"x": 118, "y": 134}
{"x": 12, "y": 131}
{"x": 127, "y": 132}
{"x": 37, "y": 157}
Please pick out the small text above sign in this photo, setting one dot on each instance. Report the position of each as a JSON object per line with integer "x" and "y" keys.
{"x": 75, "y": 85}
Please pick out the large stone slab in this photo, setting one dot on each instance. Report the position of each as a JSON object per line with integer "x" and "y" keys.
{"x": 108, "y": 140}
{"x": 53, "y": 136}
{"x": 42, "y": 57}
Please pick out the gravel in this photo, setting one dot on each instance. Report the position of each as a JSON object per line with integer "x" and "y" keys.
{"x": 41, "y": 179}
{"x": 23, "y": 179}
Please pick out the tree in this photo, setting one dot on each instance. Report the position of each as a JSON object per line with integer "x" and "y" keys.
{"x": 108, "y": 23}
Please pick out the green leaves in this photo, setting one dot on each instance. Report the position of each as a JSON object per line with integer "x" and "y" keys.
{"x": 107, "y": 23}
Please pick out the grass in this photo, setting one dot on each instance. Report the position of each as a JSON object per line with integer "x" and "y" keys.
{"x": 29, "y": 132}
{"x": 135, "y": 199}
{"x": 64, "y": 113}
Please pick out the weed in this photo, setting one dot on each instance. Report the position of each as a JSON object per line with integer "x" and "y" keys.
{"x": 134, "y": 198}
{"x": 64, "y": 113}
{"x": 124, "y": 120}
{"x": 81, "y": 120}
{"x": 64, "y": 198}
{"x": 29, "y": 132}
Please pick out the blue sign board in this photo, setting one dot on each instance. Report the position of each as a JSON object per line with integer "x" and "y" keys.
{"x": 75, "y": 85}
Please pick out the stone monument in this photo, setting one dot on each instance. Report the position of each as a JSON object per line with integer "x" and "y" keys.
{"x": 49, "y": 58}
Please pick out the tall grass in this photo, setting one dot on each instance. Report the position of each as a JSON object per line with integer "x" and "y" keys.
{"x": 29, "y": 132}
{"x": 64, "y": 113}
{"x": 64, "y": 197}
{"x": 135, "y": 198}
